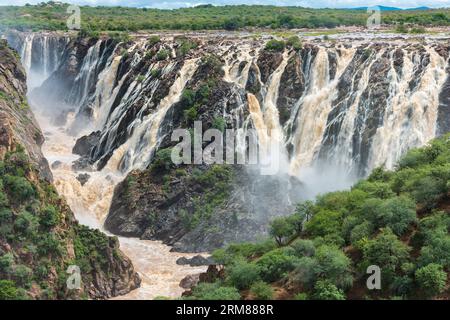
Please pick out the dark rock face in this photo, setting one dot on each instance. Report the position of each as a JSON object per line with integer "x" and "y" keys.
{"x": 268, "y": 62}
{"x": 142, "y": 208}
{"x": 292, "y": 86}
{"x": 84, "y": 145}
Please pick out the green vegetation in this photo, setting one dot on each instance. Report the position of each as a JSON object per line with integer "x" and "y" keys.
{"x": 275, "y": 45}
{"x": 53, "y": 17}
{"x": 37, "y": 229}
{"x": 398, "y": 220}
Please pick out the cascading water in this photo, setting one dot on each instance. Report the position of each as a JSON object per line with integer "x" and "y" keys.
{"x": 351, "y": 108}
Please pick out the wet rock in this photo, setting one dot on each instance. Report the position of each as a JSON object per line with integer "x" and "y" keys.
{"x": 84, "y": 145}
{"x": 195, "y": 261}
{"x": 56, "y": 164}
{"x": 83, "y": 178}
{"x": 292, "y": 86}
{"x": 189, "y": 281}
{"x": 83, "y": 164}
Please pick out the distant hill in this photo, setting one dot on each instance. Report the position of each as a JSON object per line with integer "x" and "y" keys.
{"x": 385, "y": 8}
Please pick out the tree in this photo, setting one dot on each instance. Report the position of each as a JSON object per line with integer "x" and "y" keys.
{"x": 431, "y": 279}
{"x": 387, "y": 252}
{"x": 281, "y": 229}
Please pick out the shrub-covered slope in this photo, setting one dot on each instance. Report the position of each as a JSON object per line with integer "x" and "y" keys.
{"x": 39, "y": 236}
{"x": 397, "y": 220}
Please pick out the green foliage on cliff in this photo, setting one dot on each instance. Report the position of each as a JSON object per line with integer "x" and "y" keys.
{"x": 37, "y": 231}
{"x": 397, "y": 220}
{"x": 54, "y": 17}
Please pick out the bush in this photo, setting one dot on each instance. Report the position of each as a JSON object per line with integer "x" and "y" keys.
{"x": 334, "y": 266}
{"x": 428, "y": 190}
{"x": 23, "y": 275}
{"x": 6, "y": 263}
{"x": 305, "y": 272}
{"x": 275, "y": 45}
{"x": 214, "y": 291}
{"x": 303, "y": 247}
{"x": 26, "y": 223}
{"x": 153, "y": 40}
{"x": 294, "y": 42}
{"x": 162, "y": 54}
{"x": 386, "y": 251}
{"x": 360, "y": 231}
{"x": 243, "y": 274}
{"x": 274, "y": 265}
{"x": 431, "y": 279}
{"x": 301, "y": 296}
{"x": 49, "y": 216}
{"x": 437, "y": 250}
{"x": 19, "y": 187}
{"x": 8, "y": 290}
{"x": 325, "y": 290}
{"x": 262, "y": 291}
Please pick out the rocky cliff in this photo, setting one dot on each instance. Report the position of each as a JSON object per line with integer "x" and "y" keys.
{"x": 39, "y": 236}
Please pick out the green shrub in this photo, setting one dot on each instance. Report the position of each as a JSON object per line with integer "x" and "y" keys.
{"x": 303, "y": 247}
{"x": 334, "y": 266}
{"x": 361, "y": 231}
{"x": 8, "y": 290}
{"x": 325, "y": 290}
{"x": 275, "y": 45}
{"x": 294, "y": 42}
{"x": 214, "y": 291}
{"x": 242, "y": 274}
{"x": 262, "y": 291}
{"x": 301, "y": 296}
{"x": 305, "y": 272}
{"x": 6, "y": 263}
{"x": 162, "y": 54}
{"x": 19, "y": 187}
{"x": 26, "y": 223}
{"x": 219, "y": 124}
{"x": 431, "y": 279}
{"x": 50, "y": 216}
{"x": 22, "y": 274}
{"x": 274, "y": 265}
{"x": 153, "y": 40}
{"x": 436, "y": 250}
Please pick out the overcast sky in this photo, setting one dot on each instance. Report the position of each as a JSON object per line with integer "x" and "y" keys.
{"x": 169, "y": 4}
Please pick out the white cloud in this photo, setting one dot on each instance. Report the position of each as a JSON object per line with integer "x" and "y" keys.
{"x": 169, "y": 4}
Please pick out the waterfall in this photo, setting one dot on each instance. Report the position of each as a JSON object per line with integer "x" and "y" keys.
{"x": 136, "y": 153}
